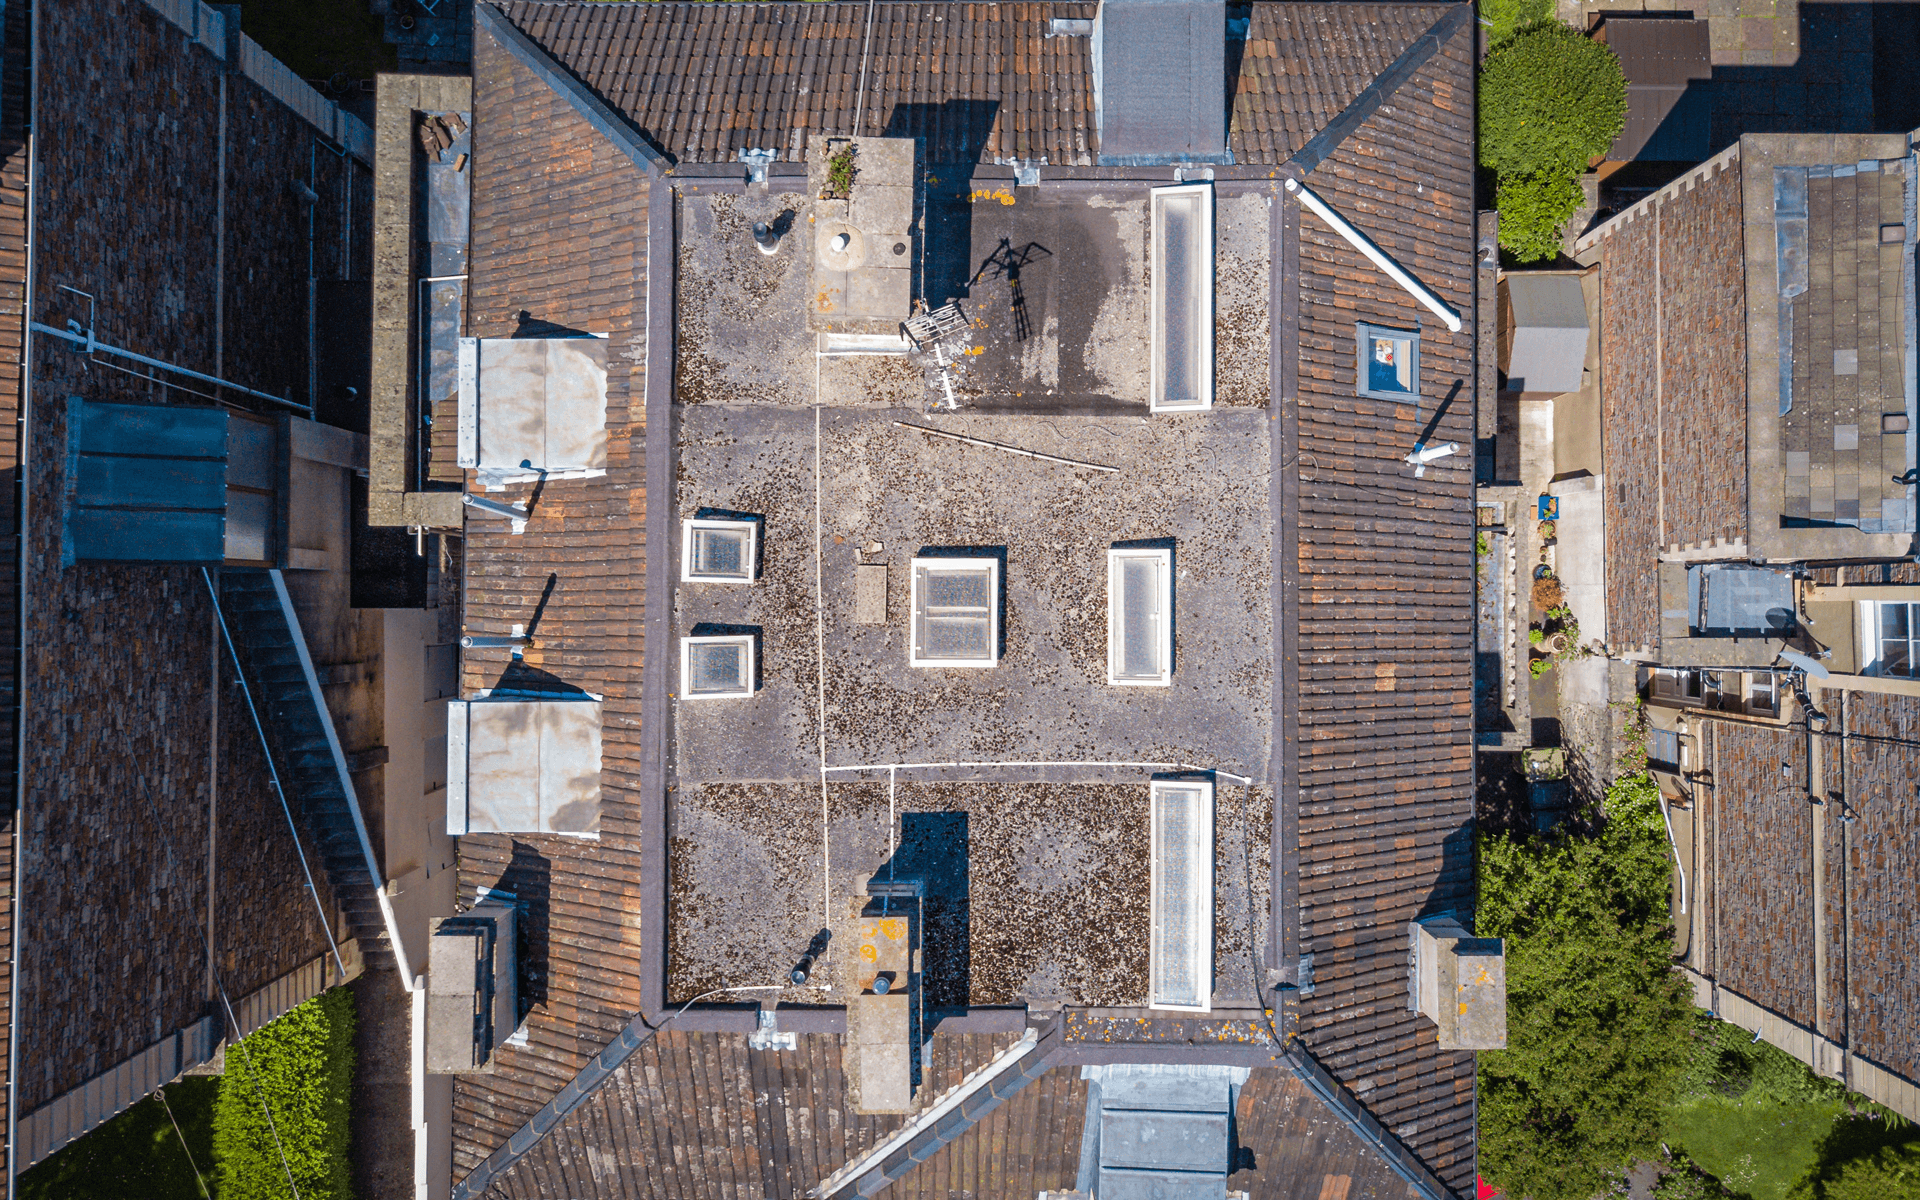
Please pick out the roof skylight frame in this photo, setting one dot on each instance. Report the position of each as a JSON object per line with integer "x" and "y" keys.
{"x": 749, "y": 660}
{"x": 922, "y": 572}
{"x": 1121, "y": 604}
{"x": 692, "y": 526}
{"x": 1180, "y": 931}
{"x": 1364, "y": 335}
{"x": 1192, "y": 297}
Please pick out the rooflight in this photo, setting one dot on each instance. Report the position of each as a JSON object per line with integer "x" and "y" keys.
{"x": 718, "y": 551}
{"x": 716, "y": 668}
{"x": 1140, "y": 618}
{"x": 1182, "y": 290}
{"x": 956, "y": 612}
{"x": 1180, "y": 970}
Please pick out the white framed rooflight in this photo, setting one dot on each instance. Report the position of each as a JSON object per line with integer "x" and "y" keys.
{"x": 713, "y": 550}
{"x": 1140, "y": 618}
{"x": 1180, "y": 957}
{"x": 1182, "y": 290}
{"x": 955, "y": 617}
{"x": 717, "y": 668}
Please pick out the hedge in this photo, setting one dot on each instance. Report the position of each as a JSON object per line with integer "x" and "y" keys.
{"x": 1550, "y": 99}
{"x": 302, "y": 1065}
{"x": 1504, "y": 18}
{"x": 1534, "y": 210}
{"x": 136, "y": 1154}
{"x": 1599, "y": 1027}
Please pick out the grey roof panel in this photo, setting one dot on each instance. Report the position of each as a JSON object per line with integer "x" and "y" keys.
{"x": 1162, "y": 67}
{"x": 1550, "y": 333}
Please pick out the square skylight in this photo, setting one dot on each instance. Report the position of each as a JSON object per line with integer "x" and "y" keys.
{"x": 1388, "y": 362}
{"x": 956, "y": 612}
{"x": 1140, "y": 618}
{"x": 718, "y": 551}
{"x": 1182, "y": 297}
{"x": 1180, "y": 966}
{"x": 716, "y": 668}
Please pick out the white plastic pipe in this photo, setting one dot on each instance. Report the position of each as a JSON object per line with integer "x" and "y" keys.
{"x": 516, "y": 513}
{"x": 1364, "y": 245}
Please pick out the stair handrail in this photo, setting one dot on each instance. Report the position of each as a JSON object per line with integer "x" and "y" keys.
{"x": 346, "y": 777}
{"x": 273, "y": 773}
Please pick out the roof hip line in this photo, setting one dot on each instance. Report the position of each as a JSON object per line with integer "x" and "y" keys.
{"x": 1377, "y": 93}
{"x": 595, "y": 111}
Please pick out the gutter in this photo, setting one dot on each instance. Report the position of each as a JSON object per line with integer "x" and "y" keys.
{"x": 22, "y": 496}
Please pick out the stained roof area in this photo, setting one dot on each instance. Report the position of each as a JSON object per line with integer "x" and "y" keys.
{"x": 1053, "y": 280}
{"x": 1035, "y": 893}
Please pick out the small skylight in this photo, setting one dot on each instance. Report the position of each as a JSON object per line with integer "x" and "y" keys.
{"x": 718, "y": 551}
{"x": 956, "y": 612}
{"x": 1180, "y": 970}
{"x": 716, "y": 668}
{"x": 1388, "y": 365}
{"x": 1140, "y": 618}
{"x": 1182, "y": 290}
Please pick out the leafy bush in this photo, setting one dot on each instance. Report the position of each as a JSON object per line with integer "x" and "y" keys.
{"x": 1890, "y": 1173}
{"x": 302, "y": 1066}
{"x": 1685, "y": 1180}
{"x": 1598, "y": 1024}
{"x": 137, "y": 1153}
{"x": 1505, "y": 18}
{"x": 1550, "y": 99}
{"x": 1725, "y": 1060}
{"x": 1534, "y": 210}
{"x": 1871, "y": 1156}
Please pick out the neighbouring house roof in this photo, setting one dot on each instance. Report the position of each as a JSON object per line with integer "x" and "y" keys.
{"x": 1334, "y": 673}
{"x": 1665, "y": 62}
{"x": 1759, "y": 289}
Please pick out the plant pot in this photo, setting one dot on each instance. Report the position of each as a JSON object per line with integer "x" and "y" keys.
{"x": 1556, "y": 644}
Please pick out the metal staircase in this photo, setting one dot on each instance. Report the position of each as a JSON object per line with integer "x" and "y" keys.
{"x": 266, "y": 638}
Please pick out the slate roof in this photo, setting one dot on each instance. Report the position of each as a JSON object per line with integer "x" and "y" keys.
{"x": 1761, "y": 941}
{"x": 1673, "y": 330}
{"x": 980, "y": 82}
{"x": 702, "y": 1114}
{"x": 1373, "y": 569}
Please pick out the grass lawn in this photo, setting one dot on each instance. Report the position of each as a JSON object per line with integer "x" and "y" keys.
{"x": 135, "y": 1154}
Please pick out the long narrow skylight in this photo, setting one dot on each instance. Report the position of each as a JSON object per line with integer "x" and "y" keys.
{"x": 1180, "y": 969}
{"x": 1140, "y": 618}
{"x": 1182, "y": 288}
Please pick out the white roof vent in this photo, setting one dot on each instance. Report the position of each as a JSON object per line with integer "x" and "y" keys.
{"x": 523, "y": 766}
{"x": 1180, "y": 966}
{"x": 1140, "y": 618}
{"x": 1182, "y": 298}
{"x": 713, "y": 550}
{"x": 717, "y": 668}
{"x": 956, "y": 612}
{"x": 532, "y": 408}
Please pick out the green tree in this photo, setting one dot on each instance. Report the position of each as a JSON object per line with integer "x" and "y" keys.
{"x": 1890, "y": 1173}
{"x": 1598, "y": 1024}
{"x": 1550, "y": 99}
{"x": 299, "y": 1069}
{"x": 1534, "y": 210}
{"x": 1504, "y": 18}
